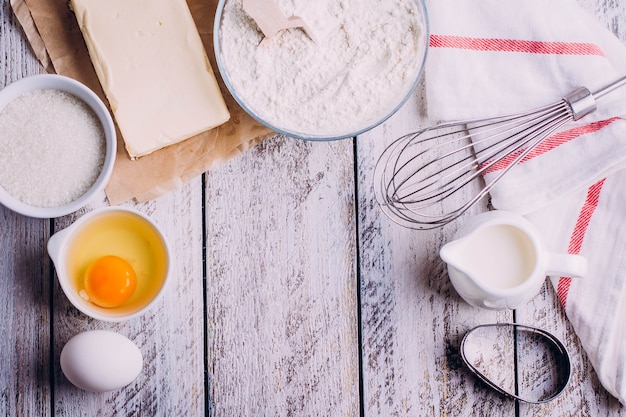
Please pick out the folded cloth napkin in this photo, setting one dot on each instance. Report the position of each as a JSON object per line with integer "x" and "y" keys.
{"x": 489, "y": 57}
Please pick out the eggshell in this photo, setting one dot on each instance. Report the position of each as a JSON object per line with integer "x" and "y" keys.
{"x": 100, "y": 361}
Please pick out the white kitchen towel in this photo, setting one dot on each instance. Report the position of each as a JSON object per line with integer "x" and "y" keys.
{"x": 490, "y": 57}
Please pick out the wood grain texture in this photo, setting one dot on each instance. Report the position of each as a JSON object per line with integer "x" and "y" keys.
{"x": 15, "y": 53}
{"x": 584, "y": 393}
{"x": 25, "y": 316}
{"x": 281, "y": 282}
{"x": 170, "y": 336}
{"x": 281, "y": 254}
{"x": 25, "y": 282}
{"x": 413, "y": 320}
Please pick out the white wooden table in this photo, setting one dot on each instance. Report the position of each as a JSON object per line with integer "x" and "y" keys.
{"x": 293, "y": 295}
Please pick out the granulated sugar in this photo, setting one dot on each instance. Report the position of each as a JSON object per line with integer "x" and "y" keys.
{"x": 52, "y": 148}
{"x": 364, "y": 60}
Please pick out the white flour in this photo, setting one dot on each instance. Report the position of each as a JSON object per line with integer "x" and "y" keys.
{"x": 364, "y": 61}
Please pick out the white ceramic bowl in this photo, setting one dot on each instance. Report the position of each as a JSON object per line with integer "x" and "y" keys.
{"x": 79, "y": 90}
{"x": 72, "y": 248}
{"x": 352, "y": 125}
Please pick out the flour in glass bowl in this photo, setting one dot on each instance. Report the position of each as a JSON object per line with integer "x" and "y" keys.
{"x": 365, "y": 59}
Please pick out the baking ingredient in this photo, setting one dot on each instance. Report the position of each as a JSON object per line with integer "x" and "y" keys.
{"x": 100, "y": 361}
{"x": 364, "y": 61}
{"x": 109, "y": 281}
{"x": 269, "y": 18}
{"x": 52, "y": 148}
{"x": 154, "y": 70}
{"x": 127, "y": 236}
{"x": 501, "y": 256}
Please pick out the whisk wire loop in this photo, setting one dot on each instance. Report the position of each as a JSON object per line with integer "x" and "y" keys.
{"x": 420, "y": 171}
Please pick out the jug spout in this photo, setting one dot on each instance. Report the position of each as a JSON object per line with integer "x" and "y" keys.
{"x": 452, "y": 254}
{"x": 55, "y": 243}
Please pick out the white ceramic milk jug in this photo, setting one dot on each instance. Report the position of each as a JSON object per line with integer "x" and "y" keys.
{"x": 498, "y": 261}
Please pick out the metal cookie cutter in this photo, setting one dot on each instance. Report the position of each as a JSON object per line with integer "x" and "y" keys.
{"x": 518, "y": 361}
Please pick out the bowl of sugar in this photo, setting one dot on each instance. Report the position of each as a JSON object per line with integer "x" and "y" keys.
{"x": 347, "y": 71}
{"x": 57, "y": 146}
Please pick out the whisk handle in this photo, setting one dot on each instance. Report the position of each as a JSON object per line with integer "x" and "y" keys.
{"x": 613, "y": 86}
{"x": 581, "y": 101}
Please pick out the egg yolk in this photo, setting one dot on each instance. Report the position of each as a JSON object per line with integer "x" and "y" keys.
{"x": 110, "y": 281}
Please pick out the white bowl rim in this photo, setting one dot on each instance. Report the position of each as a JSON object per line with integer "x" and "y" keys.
{"x": 70, "y": 292}
{"x": 81, "y": 91}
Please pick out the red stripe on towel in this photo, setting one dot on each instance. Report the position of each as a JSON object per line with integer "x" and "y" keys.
{"x": 513, "y": 45}
{"x": 550, "y": 143}
{"x": 578, "y": 235}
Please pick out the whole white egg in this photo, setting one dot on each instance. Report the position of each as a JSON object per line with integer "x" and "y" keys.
{"x": 100, "y": 361}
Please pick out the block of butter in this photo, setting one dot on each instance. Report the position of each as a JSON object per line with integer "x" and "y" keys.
{"x": 153, "y": 68}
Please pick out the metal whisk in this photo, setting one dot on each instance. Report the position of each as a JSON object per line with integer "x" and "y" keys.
{"x": 420, "y": 171}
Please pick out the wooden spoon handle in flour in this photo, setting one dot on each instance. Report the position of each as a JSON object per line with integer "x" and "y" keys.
{"x": 270, "y": 19}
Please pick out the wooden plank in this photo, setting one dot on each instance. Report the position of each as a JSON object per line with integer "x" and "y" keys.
{"x": 17, "y": 57}
{"x": 584, "y": 393}
{"x": 170, "y": 336}
{"x": 24, "y": 272}
{"x": 281, "y": 282}
{"x": 413, "y": 320}
{"x": 24, "y": 316}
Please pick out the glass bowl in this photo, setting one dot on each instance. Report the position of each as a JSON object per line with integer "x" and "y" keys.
{"x": 84, "y": 94}
{"x": 316, "y": 84}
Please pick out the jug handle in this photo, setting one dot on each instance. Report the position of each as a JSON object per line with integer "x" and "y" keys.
{"x": 569, "y": 265}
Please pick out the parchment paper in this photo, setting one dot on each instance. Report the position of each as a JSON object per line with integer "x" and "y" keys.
{"x": 57, "y": 42}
